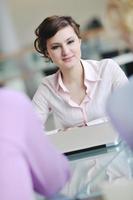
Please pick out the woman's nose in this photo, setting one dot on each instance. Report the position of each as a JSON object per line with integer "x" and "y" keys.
{"x": 65, "y": 50}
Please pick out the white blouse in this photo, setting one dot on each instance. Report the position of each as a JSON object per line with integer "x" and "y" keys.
{"x": 100, "y": 79}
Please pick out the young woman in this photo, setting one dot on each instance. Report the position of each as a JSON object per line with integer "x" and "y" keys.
{"x": 77, "y": 92}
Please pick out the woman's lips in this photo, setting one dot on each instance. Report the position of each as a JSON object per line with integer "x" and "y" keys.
{"x": 67, "y": 59}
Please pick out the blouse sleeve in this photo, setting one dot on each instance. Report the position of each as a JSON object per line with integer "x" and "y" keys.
{"x": 119, "y": 77}
{"x": 40, "y": 103}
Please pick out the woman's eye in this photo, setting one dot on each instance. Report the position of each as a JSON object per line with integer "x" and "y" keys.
{"x": 71, "y": 41}
{"x": 55, "y": 47}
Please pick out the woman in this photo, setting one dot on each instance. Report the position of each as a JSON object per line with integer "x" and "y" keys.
{"x": 77, "y": 92}
{"x": 29, "y": 162}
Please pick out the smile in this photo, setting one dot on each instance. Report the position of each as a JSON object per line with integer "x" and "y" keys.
{"x": 67, "y": 59}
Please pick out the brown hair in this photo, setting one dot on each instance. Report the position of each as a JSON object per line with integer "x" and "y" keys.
{"x": 49, "y": 27}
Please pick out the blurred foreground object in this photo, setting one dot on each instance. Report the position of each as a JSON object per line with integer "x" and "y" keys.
{"x": 29, "y": 162}
{"x": 119, "y": 108}
{"x": 120, "y": 13}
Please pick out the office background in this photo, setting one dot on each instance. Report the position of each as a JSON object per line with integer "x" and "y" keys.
{"x": 26, "y": 15}
{"x": 21, "y": 67}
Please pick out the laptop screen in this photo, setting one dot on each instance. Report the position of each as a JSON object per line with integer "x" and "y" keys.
{"x": 85, "y": 138}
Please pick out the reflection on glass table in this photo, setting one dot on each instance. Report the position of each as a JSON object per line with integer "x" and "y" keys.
{"x": 92, "y": 169}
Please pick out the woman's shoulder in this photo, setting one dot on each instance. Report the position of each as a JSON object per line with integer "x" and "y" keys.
{"x": 102, "y": 64}
{"x": 103, "y": 67}
{"x": 49, "y": 82}
{"x": 99, "y": 62}
{"x": 50, "y": 78}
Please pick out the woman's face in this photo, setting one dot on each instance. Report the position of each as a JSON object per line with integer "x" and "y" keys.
{"x": 64, "y": 48}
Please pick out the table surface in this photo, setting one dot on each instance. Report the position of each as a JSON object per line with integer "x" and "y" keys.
{"x": 91, "y": 169}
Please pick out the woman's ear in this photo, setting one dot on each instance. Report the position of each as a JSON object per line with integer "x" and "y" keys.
{"x": 47, "y": 54}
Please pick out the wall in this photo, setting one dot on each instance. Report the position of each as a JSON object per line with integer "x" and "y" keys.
{"x": 28, "y": 14}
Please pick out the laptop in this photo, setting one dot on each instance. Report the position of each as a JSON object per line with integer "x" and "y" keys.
{"x": 80, "y": 139}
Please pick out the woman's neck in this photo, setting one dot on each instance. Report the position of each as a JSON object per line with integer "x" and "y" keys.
{"x": 73, "y": 75}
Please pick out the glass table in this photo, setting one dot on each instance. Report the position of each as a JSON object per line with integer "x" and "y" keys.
{"x": 92, "y": 169}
